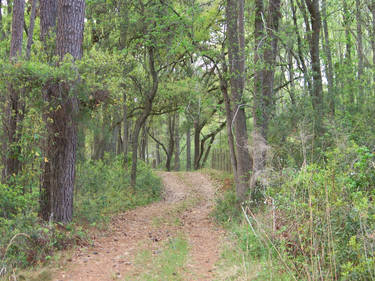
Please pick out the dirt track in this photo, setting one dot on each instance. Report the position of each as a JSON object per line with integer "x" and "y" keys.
{"x": 184, "y": 211}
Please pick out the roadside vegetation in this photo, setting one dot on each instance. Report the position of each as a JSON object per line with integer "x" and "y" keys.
{"x": 103, "y": 190}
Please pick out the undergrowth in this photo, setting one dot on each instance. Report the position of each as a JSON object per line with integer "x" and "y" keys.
{"x": 314, "y": 223}
{"x": 102, "y": 189}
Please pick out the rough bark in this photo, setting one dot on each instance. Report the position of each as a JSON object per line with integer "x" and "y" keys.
{"x": 48, "y": 14}
{"x": 235, "y": 33}
{"x": 266, "y": 43}
{"x": 62, "y": 132}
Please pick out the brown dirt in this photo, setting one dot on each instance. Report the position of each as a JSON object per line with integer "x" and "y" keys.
{"x": 188, "y": 200}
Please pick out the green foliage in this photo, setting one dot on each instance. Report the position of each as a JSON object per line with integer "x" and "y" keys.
{"x": 329, "y": 214}
{"x": 103, "y": 188}
{"x": 226, "y": 207}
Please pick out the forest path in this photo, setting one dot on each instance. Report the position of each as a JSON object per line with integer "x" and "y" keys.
{"x": 174, "y": 239}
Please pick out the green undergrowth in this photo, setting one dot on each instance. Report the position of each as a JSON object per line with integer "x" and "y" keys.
{"x": 313, "y": 223}
{"x": 102, "y": 189}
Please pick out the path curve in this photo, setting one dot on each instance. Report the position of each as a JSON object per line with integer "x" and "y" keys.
{"x": 189, "y": 196}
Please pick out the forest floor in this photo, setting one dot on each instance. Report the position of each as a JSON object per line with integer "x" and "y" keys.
{"x": 174, "y": 239}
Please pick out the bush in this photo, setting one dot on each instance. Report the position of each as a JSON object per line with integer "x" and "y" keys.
{"x": 103, "y": 188}
{"x": 326, "y": 216}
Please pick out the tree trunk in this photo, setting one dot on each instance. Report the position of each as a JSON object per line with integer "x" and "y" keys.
{"x": 229, "y": 118}
{"x": 125, "y": 141}
{"x": 144, "y": 115}
{"x": 2, "y": 34}
{"x": 329, "y": 64}
{"x": 372, "y": 7}
{"x": 266, "y": 50}
{"x": 177, "y": 144}
{"x": 317, "y": 94}
{"x": 11, "y": 149}
{"x": 142, "y": 152}
{"x": 188, "y": 149}
{"x": 349, "y": 79}
{"x": 31, "y": 28}
{"x": 197, "y": 132}
{"x": 360, "y": 49}
{"x": 235, "y": 33}
{"x": 171, "y": 140}
{"x": 62, "y": 131}
{"x": 48, "y": 14}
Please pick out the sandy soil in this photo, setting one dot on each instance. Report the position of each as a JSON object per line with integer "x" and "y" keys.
{"x": 188, "y": 198}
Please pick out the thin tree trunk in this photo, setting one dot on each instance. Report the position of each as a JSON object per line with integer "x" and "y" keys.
{"x": 11, "y": 149}
{"x": 329, "y": 64}
{"x": 229, "y": 117}
{"x": 373, "y": 40}
{"x": 360, "y": 49}
{"x": 2, "y": 34}
{"x": 125, "y": 141}
{"x": 188, "y": 149}
{"x": 171, "y": 139}
{"x": 317, "y": 94}
{"x": 144, "y": 115}
{"x": 197, "y": 132}
{"x": 177, "y": 143}
{"x": 31, "y": 28}
{"x": 349, "y": 79}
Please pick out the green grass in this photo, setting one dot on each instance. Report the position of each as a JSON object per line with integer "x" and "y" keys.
{"x": 165, "y": 264}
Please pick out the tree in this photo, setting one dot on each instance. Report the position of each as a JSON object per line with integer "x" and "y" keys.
{"x": 58, "y": 181}
{"x": 13, "y": 111}
{"x": 235, "y": 39}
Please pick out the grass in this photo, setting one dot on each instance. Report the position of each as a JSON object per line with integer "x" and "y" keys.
{"x": 165, "y": 264}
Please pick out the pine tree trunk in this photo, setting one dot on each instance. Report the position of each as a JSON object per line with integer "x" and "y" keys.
{"x": 62, "y": 140}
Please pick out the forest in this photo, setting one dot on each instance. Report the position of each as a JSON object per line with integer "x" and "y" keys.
{"x": 257, "y": 116}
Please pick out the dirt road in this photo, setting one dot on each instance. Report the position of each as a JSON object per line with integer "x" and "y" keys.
{"x": 174, "y": 239}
